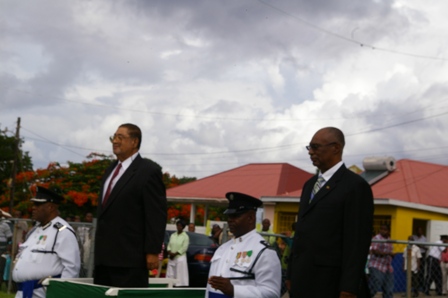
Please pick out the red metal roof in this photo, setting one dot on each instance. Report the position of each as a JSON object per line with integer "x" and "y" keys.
{"x": 415, "y": 182}
{"x": 258, "y": 179}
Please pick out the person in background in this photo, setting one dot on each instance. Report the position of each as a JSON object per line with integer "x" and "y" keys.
{"x": 5, "y": 230}
{"x": 420, "y": 237}
{"x": 5, "y": 238}
{"x": 216, "y": 234}
{"x": 132, "y": 214}
{"x": 265, "y": 228}
{"x": 244, "y": 266}
{"x": 334, "y": 226}
{"x": 50, "y": 250}
{"x": 177, "y": 267}
{"x": 380, "y": 265}
{"x": 191, "y": 227}
{"x": 444, "y": 268}
{"x": 22, "y": 227}
{"x": 416, "y": 257}
{"x": 433, "y": 271}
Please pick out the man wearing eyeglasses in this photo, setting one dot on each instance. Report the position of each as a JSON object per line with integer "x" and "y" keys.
{"x": 131, "y": 215}
{"x": 334, "y": 226}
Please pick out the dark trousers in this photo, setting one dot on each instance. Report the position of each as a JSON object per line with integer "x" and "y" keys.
{"x": 415, "y": 282}
{"x": 421, "y": 274}
{"x": 121, "y": 277}
{"x": 433, "y": 273}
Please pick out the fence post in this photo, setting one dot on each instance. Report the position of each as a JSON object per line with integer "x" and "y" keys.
{"x": 92, "y": 246}
{"x": 408, "y": 270}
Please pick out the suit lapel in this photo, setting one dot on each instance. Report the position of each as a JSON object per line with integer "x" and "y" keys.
{"x": 306, "y": 194}
{"x": 328, "y": 187}
{"x": 127, "y": 175}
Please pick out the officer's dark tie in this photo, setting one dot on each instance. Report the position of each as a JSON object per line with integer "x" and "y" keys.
{"x": 320, "y": 181}
{"x": 109, "y": 188}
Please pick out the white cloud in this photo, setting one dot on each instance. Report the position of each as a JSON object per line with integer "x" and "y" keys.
{"x": 220, "y": 84}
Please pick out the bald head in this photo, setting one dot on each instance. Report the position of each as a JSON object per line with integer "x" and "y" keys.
{"x": 326, "y": 148}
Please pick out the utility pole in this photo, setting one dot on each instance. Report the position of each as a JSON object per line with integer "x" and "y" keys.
{"x": 14, "y": 166}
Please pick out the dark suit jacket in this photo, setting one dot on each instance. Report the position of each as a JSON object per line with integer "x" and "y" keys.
{"x": 332, "y": 238}
{"x": 132, "y": 224}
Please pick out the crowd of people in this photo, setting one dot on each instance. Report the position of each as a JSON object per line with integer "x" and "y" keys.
{"x": 428, "y": 264}
{"x": 329, "y": 242}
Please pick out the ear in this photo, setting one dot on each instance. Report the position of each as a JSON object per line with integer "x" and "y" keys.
{"x": 251, "y": 216}
{"x": 337, "y": 148}
{"x": 135, "y": 142}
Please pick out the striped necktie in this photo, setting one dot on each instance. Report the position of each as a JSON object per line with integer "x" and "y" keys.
{"x": 320, "y": 181}
{"x": 109, "y": 188}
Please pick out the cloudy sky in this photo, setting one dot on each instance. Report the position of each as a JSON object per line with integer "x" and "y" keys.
{"x": 219, "y": 84}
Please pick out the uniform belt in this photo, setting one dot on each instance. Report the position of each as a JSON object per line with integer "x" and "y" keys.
{"x": 27, "y": 287}
{"x": 217, "y": 295}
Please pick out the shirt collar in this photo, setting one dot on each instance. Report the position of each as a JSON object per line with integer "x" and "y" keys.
{"x": 330, "y": 172}
{"x": 244, "y": 237}
{"x": 46, "y": 226}
{"x": 127, "y": 162}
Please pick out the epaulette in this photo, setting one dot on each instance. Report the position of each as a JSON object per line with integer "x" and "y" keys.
{"x": 59, "y": 226}
{"x": 265, "y": 243}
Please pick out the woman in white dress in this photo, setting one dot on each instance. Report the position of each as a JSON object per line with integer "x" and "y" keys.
{"x": 177, "y": 252}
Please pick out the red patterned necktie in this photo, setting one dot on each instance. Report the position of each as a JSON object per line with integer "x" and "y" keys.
{"x": 109, "y": 188}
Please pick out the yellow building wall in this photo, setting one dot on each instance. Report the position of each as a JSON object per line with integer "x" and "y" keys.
{"x": 401, "y": 217}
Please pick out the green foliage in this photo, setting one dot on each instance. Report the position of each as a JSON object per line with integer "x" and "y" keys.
{"x": 78, "y": 183}
{"x": 7, "y": 150}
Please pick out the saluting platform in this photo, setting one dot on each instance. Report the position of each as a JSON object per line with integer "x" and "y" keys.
{"x": 84, "y": 287}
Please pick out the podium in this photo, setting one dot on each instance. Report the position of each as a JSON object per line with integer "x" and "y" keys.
{"x": 84, "y": 288}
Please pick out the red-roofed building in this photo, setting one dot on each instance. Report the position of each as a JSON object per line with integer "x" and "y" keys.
{"x": 257, "y": 180}
{"x": 406, "y": 197}
{"x": 409, "y": 196}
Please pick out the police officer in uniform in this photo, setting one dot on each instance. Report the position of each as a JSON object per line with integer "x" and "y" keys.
{"x": 244, "y": 266}
{"x": 50, "y": 249}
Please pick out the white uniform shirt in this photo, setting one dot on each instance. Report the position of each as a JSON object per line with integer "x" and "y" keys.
{"x": 32, "y": 265}
{"x": 240, "y": 253}
{"x": 415, "y": 254}
{"x": 436, "y": 251}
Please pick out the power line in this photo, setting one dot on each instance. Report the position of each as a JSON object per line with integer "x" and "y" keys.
{"x": 350, "y": 40}
{"x": 53, "y": 143}
{"x": 215, "y": 118}
{"x": 250, "y": 150}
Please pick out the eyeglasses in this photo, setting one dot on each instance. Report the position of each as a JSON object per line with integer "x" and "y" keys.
{"x": 316, "y": 147}
{"x": 119, "y": 137}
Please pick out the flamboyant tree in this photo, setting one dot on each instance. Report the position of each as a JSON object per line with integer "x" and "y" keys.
{"x": 78, "y": 183}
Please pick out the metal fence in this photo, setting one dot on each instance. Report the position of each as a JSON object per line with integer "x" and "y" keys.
{"x": 430, "y": 274}
{"x": 427, "y": 275}
{"x": 85, "y": 234}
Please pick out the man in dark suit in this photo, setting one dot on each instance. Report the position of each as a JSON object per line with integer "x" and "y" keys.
{"x": 132, "y": 212}
{"x": 334, "y": 226}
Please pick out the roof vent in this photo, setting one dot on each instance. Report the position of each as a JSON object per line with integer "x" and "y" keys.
{"x": 386, "y": 163}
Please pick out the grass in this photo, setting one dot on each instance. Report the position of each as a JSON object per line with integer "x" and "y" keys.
{"x": 4, "y": 290}
{"x": 5, "y": 295}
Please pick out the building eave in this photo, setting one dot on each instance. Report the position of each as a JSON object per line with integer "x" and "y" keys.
{"x": 377, "y": 201}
